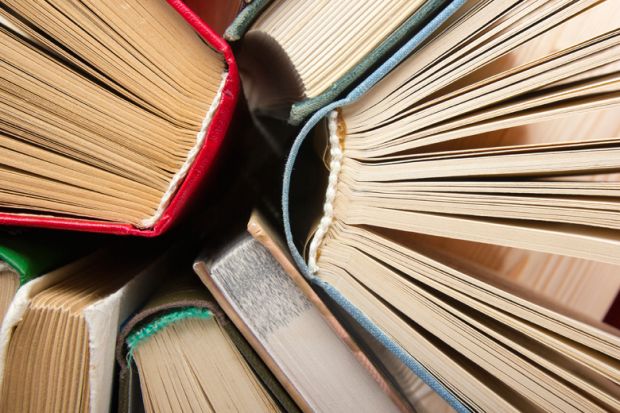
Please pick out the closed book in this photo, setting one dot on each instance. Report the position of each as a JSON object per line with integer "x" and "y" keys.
{"x": 181, "y": 340}
{"x": 306, "y": 349}
{"x": 118, "y": 137}
{"x": 296, "y": 58}
{"x": 27, "y": 254}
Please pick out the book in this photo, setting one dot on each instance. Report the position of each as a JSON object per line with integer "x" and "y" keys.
{"x": 296, "y": 58}
{"x": 25, "y": 255}
{"x": 57, "y": 340}
{"x": 470, "y": 214}
{"x": 288, "y": 331}
{"x": 181, "y": 353}
{"x": 113, "y": 117}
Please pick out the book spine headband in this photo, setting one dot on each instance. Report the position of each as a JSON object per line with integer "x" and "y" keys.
{"x": 335, "y": 165}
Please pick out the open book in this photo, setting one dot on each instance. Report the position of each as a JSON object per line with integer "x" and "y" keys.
{"x": 471, "y": 217}
{"x": 112, "y": 115}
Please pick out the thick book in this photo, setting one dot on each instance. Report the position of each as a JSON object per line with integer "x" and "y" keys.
{"x": 181, "y": 353}
{"x": 58, "y": 338}
{"x": 296, "y": 58}
{"x": 113, "y": 116}
{"x": 308, "y": 352}
{"x": 470, "y": 217}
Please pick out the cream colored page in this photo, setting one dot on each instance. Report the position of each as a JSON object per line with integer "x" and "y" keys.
{"x": 585, "y": 287}
{"x": 441, "y": 271}
{"x": 394, "y": 89}
{"x": 467, "y": 386}
{"x": 462, "y": 330}
{"x": 188, "y": 378}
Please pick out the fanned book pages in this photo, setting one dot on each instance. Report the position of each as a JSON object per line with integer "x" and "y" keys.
{"x": 295, "y": 58}
{"x": 472, "y": 215}
{"x": 419, "y": 395}
{"x": 179, "y": 353}
{"x": 58, "y": 337}
{"x": 112, "y": 112}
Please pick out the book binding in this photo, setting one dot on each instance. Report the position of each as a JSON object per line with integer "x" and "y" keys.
{"x": 244, "y": 19}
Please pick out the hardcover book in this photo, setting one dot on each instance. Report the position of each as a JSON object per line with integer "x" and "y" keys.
{"x": 294, "y": 59}
{"x": 113, "y": 113}
{"x": 181, "y": 353}
{"x": 24, "y": 255}
{"x": 470, "y": 218}
{"x": 246, "y": 16}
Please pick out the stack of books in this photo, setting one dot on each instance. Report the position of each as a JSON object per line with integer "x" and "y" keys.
{"x": 319, "y": 206}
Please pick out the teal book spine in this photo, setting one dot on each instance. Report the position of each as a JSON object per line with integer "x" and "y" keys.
{"x": 244, "y": 19}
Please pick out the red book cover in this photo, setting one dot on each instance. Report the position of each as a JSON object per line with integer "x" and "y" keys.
{"x": 198, "y": 171}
